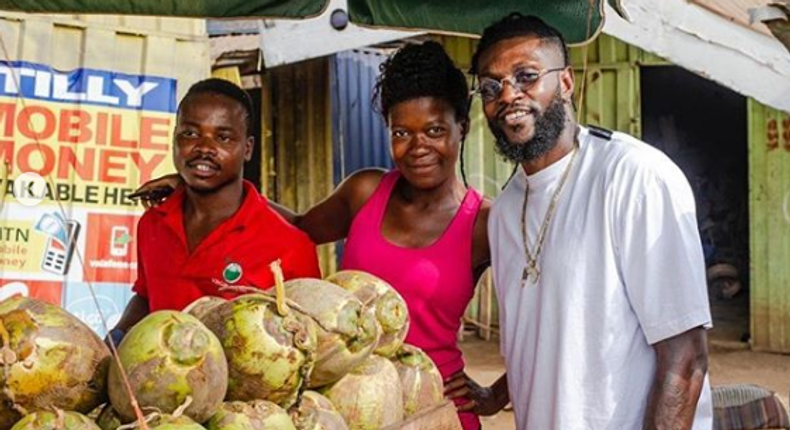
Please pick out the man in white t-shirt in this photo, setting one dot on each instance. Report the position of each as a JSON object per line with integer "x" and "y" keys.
{"x": 597, "y": 260}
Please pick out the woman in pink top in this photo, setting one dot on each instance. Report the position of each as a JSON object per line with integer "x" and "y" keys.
{"x": 418, "y": 227}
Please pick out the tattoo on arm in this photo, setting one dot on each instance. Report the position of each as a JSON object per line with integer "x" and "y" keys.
{"x": 682, "y": 362}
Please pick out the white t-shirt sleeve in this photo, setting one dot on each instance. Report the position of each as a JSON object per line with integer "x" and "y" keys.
{"x": 493, "y": 231}
{"x": 660, "y": 254}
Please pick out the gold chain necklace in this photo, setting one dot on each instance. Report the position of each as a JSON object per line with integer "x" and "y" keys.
{"x": 532, "y": 269}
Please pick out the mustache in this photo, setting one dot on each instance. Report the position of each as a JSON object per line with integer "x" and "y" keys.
{"x": 531, "y": 107}
{"x": 202, "y": 157}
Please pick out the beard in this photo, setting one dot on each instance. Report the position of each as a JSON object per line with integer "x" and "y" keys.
{"x": 548, "y": 128}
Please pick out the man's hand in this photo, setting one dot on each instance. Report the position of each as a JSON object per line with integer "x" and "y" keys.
{"x": 136, "y": 310}
{"x": 484, "y": 401}
{"x": 156, "y": 191}
{"x": 115, "y": 336}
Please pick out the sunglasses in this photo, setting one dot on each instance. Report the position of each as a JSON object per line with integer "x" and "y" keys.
{"x": 523, "y": 79}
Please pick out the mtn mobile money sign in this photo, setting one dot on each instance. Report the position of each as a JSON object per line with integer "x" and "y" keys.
{"x": 94, "y": 135}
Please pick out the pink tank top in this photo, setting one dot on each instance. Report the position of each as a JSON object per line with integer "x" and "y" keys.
{"x": 436, "y": 281}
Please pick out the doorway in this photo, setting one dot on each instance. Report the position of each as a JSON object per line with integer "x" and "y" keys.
{"x": 702, "y": 126}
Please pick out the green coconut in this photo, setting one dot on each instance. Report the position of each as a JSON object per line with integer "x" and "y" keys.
{"x": 254, "y": 415}
{"x": 420, "y": 379}
{"x": 170, "y": 357}
{"x": 58, "y": 420}
{"x": 203, "y": 306}
{"x": 48, "y": 359}
{"x": 346, "y": 335}
{"x": 316, "y": 412}
{"x": 384, "y": 302}
{"x": 370, "y": 396}
{"x": 269, "y": 354}
{"x": 174, "y": 421}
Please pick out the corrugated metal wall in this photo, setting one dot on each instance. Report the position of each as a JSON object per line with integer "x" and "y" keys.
{"x": 611, "y": 85}
{"x": 359, "y": 133}
{"x": 173, "y": 47}
{"x": 297, "y": 139}
{"x": 769, "y": 210}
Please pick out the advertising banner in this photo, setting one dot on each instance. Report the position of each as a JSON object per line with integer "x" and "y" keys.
{"x": 73, "y": 146}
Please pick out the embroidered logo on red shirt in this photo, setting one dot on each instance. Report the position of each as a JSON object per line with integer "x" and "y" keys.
{"x": 232, "y": 273}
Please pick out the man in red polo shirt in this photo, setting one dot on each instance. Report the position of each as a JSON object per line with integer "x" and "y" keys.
{"x": 216, "y": 229}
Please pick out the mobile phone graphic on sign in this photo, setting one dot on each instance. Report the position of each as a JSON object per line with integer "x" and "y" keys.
{"x": 61, "y": 239}
{"x": 119, "y": 241}
{"x": 57, "y": 255}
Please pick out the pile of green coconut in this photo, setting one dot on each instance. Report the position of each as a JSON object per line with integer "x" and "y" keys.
{"x": 309, "y": 354}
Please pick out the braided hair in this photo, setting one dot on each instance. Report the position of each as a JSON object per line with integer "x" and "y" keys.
{"x": 518, "y": 25}
{"x": 422, "y": 70}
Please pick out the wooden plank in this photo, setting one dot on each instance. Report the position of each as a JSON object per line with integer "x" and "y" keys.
{"x": 10, "y": 32}
{"x": 442, "y": 417}
{"x": 268, "y": 165}
{"x": 776, "y": 297}
{"x": 608, "y": 51}
{"x": 195, "y": 53}
{"x": 759, "y": 257}
{"x": 36, "y": 42}
{"x": 67, "y": 44}
{"x": 284, "y": 115}
{"x": 781, "y": 240}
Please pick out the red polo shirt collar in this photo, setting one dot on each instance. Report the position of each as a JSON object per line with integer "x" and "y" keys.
{"x": 173, "y": 215}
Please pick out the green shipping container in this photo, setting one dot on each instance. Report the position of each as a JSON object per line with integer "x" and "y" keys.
{"x": 769, "y": 210}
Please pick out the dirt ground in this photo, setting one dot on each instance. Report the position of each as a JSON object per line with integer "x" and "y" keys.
{"x": 726, "y": 365}
{"x": 730, "y": 361}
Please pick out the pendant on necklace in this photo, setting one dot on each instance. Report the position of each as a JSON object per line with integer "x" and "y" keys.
{"x": 531, "y": 273}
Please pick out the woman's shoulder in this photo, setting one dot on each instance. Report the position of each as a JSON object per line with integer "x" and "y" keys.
{"x": 485, "y": 207}
{"x": 358, "y": 187}
{"x": 481, "y": 223}
{"x": 366, "y": 177}
{"x": 485, "y": 203}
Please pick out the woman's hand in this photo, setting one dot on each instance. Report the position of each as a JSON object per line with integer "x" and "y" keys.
{"x": 155, "y": 192}
{"x": 484, "y": 401}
